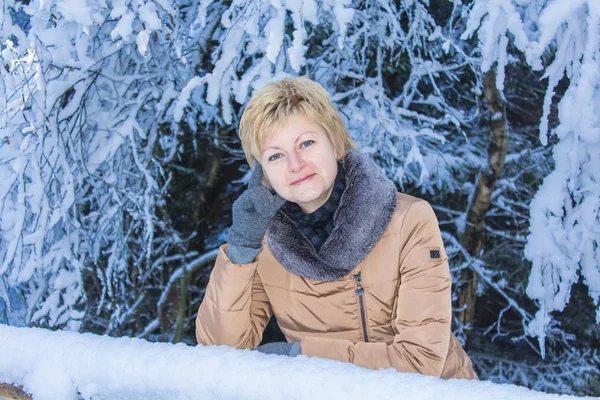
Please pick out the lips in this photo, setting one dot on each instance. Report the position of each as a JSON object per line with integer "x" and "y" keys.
{"x": 303, "y": 180}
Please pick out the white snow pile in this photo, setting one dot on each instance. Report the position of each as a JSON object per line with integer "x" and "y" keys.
{"x": 67, "y": 365}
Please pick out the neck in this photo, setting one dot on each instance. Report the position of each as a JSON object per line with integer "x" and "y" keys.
{"x": 317, "y": 203}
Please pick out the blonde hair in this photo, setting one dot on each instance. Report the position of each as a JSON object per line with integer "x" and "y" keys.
{"x": 278, "y": 100}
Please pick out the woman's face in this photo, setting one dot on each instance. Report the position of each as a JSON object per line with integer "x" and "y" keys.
{"x": 299, "y": 162}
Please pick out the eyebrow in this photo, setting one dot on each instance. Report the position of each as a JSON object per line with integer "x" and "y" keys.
{"x": 300, "y": 135}
{"x": 296, "y": 141}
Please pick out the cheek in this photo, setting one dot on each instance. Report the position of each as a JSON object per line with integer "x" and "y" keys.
{"x": 265, "y": 181}
{"x": 271, "y": 179}
{"x": 331, "y": 167}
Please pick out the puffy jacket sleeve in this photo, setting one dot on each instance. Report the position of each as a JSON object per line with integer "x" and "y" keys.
{"x": 235, "y": 308}
{"x": 423, "y": 308}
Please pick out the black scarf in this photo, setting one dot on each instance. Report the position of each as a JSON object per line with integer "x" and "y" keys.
{"x": 318, "y": 225}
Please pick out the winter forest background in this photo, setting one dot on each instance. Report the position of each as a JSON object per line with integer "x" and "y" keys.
{"x": 119, "y": 156}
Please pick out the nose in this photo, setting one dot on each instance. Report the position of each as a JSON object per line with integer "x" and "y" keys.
{"x": 295, "y": 162}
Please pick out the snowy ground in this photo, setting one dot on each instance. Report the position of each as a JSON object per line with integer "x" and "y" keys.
{"x": 59, "y": 365}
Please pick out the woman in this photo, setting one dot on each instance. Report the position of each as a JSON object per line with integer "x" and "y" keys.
{"x": 352, "y": 270}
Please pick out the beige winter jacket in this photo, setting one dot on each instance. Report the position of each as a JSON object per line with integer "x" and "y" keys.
{"x": 391, "y": 310}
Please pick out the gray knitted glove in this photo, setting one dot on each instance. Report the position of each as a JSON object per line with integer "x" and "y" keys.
{"x": 281, "y": 348}
{"x": 252, "y": 212}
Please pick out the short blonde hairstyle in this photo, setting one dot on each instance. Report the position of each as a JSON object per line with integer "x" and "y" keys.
{"x": 278, "y": 100}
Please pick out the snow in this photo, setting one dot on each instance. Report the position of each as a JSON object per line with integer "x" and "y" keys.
{"x": 494, "y": 19}
{"x": 184, "y": 97}
{"x": 563, "y": 241}
{"x": 75, "y": 10}
{"x": 142, "y": 41}
{"x": 298, "y": 49}
{"x": 124, "y": 28}
{"x": 274, "y": 32}
{"x": 149, "y": 17}
{"x": 60, "y": 364}
{"x": 202, "y": 8}
{"x": 563, "y": 244}
{"x": 344, "y": 17}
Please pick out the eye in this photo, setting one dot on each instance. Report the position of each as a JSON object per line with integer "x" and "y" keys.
{"x": 306, "y": 143}
{"x": 274, "y": 157}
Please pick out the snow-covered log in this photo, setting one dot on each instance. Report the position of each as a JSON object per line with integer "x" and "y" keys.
{"x": 68, "y": 365}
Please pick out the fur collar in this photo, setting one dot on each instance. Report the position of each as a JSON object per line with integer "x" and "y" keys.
{"x": 365, "y": 210}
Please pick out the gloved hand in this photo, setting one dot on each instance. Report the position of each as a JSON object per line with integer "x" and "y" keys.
{"x": 281, "y": 348}
{"x": 251, "y": 212}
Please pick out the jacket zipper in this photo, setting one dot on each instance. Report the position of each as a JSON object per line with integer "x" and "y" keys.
{"x": 360, "y": 291}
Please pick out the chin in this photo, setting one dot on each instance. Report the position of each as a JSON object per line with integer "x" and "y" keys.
{"x": 308, "y": 199}
{"x": 305, "y": 198}
{"x": 304, "y": 201}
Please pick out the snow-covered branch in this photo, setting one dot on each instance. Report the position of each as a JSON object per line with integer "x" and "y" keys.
{"x": 563, "y": 244}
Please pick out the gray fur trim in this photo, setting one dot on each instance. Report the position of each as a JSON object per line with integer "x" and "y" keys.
{"x": 365, "y": 211}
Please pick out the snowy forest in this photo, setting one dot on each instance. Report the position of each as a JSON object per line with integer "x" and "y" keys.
{"x": 120, "y": 158}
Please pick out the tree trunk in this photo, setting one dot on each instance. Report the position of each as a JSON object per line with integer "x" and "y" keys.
{"x": 183, "y": 305}
{"x": 480, "y": 203}
{"x": 196, "y": 177}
